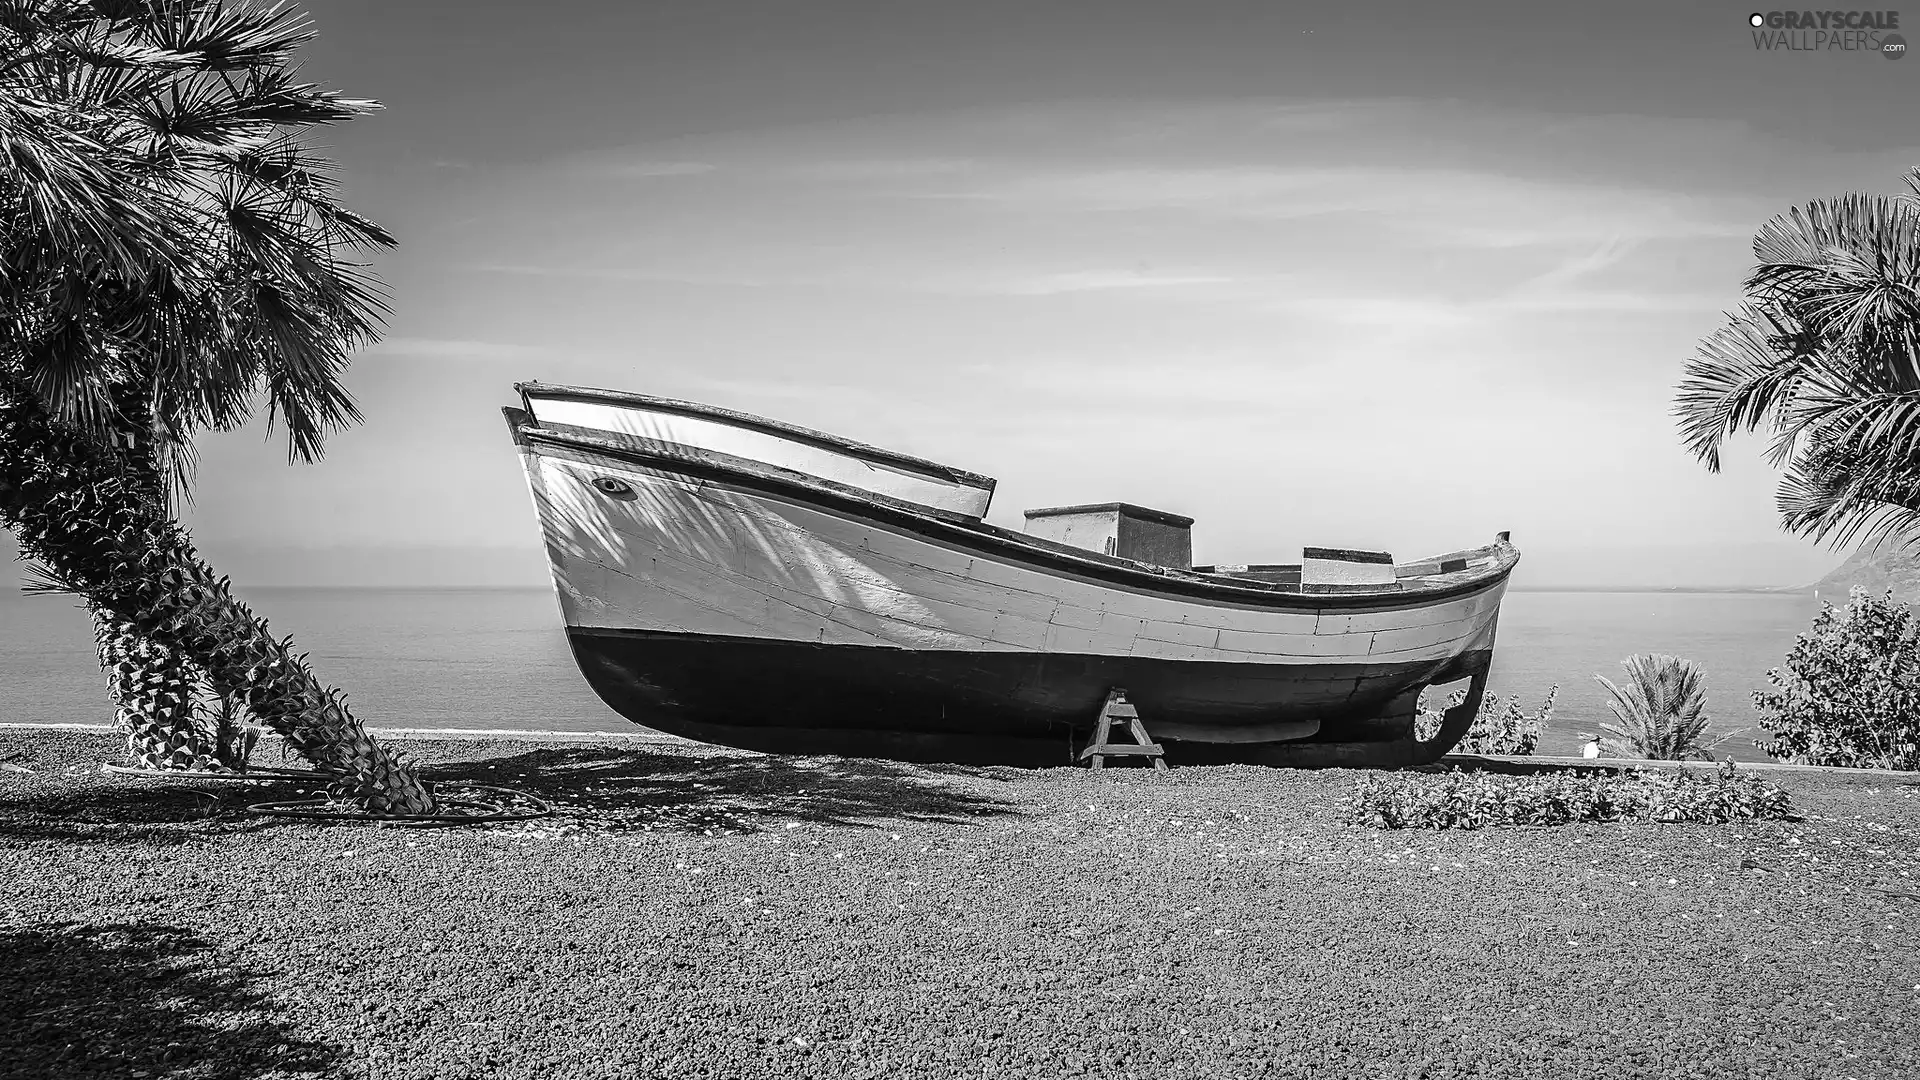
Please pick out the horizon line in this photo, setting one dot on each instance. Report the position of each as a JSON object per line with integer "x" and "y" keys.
{"x": 498, "y": 587}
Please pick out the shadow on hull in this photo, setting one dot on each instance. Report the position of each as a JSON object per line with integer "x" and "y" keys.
{"x": 1007, "y": 708}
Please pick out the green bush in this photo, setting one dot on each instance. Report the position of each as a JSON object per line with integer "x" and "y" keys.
{"x": 1477, "y": 800}
{"x": 1849, "y": 693}
{"x": 1500, "y": 726}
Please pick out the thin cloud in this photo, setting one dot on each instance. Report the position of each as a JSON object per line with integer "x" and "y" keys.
{"x": 1626, "y": 302}
{"x": 1086, "y": 281}
{"x": 437, "y": 348}
{"x": 627, "y": 273}
{"x": 638, "y": 170}
{"x": 1565, "y": 288}
{"x": 881, "y": 169}
{"x": 985, "y": 282}
{"x": 1387, "y": 219}
{"x": 1482, "y": 209}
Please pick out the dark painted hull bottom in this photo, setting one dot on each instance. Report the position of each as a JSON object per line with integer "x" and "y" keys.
{"x": 1013, "y": 708}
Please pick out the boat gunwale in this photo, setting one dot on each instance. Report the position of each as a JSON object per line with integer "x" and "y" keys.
{"x": 972, "y": 534}
{"x": 765, "y": 425}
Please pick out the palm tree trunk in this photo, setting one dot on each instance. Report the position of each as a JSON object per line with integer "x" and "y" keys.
{"x": 152, "y": 691}
{"x": 75, "y": 505}
{"x": 152, "y": 688}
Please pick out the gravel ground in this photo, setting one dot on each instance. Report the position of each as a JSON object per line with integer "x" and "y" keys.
{"x": 703, "y": 913}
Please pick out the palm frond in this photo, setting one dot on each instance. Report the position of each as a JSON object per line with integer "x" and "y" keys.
{"x": 274, "y": 97}
{"x": 229, "y": 38}
{"x": 72, "y": 368}
{"x": 63, "y": 183}
{"x": 304, "y": 391}
{"x": 39, "y": 579}
{"x": 1876, "y": 427}
{"x": 1826, "y": 356}
{"x": 167, "y": 223}
{"x": 1834, "y": 497}
{"x": 294, "y": 172}
{"x": 178, "y": 460}
{"x": 1849, "y": 270}
{"x": 1737, "y": 381}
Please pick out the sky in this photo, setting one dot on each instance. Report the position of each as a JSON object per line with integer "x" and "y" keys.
{"x": 1383, "y": 275}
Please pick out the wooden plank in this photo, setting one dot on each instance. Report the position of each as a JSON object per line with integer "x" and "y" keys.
{"x": 1121, "y": 750}
{"x": 888, "y": 555}
{"x": 1018, "y": 630}
{"x": 1153, "y": 649}
{"x": 1301, "y": 645}
{"x": 1203, "y": 637}
{"x": 1078, "y": 618}
{"x": 1121, "y": 628}
{"x": 1435, "y": 648}
{"x": 1346, "y": 555}
{"x": 1344, "y": 568}
{"x": 1260, "y": 622}
{"x": 1466, "y": 608}
{"x": 1068, "y": 639}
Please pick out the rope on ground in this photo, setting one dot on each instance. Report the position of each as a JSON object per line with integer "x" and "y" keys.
{"x": 209, "y": 774}
{"x": 481, "y": 812}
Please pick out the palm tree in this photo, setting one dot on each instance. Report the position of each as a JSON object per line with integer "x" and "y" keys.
{"x": 155, "y": 690}
{"x": 163, "y": 227}
{"x": 1661, "y": 712}
{"x": 1825, "y": 353}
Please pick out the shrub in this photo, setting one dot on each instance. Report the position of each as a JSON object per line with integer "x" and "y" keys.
{"x": 1661, "y": 711}
{"x": 1500, "y": 726}
{"x": 1475, "y": 800}
{"x": 1849, "y": 693}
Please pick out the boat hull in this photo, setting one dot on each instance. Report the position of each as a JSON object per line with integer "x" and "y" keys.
{"x": 771, "y": 614}
{"x": 1016, "y": 708}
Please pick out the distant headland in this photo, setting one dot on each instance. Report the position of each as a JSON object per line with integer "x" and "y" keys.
{"x": 1877, "y": 569}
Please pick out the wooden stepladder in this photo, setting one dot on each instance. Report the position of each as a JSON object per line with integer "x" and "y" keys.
{"x": 1116, "y": 712}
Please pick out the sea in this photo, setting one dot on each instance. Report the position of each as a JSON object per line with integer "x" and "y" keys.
{"x": 497, "y": 659}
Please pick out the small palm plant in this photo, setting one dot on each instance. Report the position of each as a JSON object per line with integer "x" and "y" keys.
{"x": 1661, "y": 711}
{"x": 226, "y": 725}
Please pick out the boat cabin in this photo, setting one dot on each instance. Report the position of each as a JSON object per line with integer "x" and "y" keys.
{"x": 1122, "y": 530}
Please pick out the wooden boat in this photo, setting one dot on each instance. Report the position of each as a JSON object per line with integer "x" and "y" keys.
{"x": 744, "y": 582}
